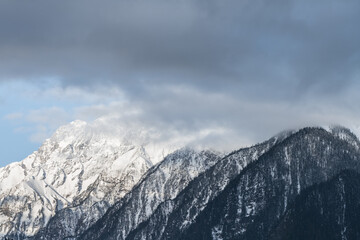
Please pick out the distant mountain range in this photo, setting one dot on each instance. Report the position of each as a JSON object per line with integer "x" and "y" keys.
{"x": 85, "y": 184}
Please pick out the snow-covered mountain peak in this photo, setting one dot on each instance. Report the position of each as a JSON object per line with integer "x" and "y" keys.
{"x": 79, "y": 136}
{"x": 79, "y": 159}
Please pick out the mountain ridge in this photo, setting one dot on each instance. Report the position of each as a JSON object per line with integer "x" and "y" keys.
{"x": 131, "y": 195}
{"x": 250, "y": 224}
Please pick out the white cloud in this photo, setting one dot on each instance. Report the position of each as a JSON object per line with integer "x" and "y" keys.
{"x": 14, "y": 116}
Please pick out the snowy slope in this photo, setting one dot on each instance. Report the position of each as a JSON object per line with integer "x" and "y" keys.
{"x": 162, "y": 182}
{"x": 80, "y": 161}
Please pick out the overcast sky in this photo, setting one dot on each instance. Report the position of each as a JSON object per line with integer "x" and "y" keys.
{"x": 233, "y": 72}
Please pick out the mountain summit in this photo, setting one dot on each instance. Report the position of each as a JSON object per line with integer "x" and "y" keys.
{"x": 80, "y": 161}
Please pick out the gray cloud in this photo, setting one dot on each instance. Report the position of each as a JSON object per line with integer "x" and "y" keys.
{"x": 227, "y": 44}
{"x": 235, "y": 120}
{"x": 246, "y": 65}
